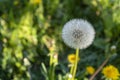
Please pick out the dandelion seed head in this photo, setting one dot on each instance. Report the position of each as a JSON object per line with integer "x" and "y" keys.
{"x": 78, "y": 33}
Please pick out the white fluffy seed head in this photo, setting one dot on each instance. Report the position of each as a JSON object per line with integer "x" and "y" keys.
{"x": 78, "y": 33}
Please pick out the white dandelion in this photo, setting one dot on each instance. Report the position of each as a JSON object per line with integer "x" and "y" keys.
{"x": 78, "y": 33}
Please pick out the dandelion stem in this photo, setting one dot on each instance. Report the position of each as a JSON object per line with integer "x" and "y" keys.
{"x": 75, "y": 65}
{"x": 71, "y": 71}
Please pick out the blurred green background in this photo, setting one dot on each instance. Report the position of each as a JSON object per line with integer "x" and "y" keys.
{"x": 29, "y": 28}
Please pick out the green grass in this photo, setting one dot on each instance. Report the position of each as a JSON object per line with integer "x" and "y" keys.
{"x": 29, "y": 30}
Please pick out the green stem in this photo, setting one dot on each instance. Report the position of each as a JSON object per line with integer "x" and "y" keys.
{"x": 75, "y": 65}
{"x": 51, "y": 59}
{"x": 71, "y": 71}
{"x": 51, "y": 74}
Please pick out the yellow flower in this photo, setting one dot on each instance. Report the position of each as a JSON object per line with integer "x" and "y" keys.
{"x": 111, "y": 72}
{"x": 36, "y": 1}
{"x": 72, "y": 58}
{"x": 90, "y": 70}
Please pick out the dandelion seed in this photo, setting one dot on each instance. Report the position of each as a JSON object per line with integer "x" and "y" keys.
{"x": 78, "y": 33}
{"x": 113, "y": 47}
